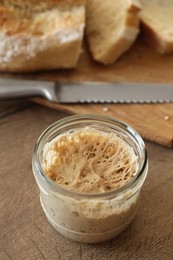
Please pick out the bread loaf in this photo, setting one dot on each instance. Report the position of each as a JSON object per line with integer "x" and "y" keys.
{"x": 40, "y": 34}
{"x": 157, "y": 24}
{"x": 112, "y": 27}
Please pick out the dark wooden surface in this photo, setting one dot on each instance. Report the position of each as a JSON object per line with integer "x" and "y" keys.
{"x": 24, "y": 231}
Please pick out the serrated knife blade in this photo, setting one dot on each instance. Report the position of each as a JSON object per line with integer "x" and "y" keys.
{"x": 87, "y": 92}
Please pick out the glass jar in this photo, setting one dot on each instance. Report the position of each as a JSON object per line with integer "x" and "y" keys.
{"x": 90, "y": 217}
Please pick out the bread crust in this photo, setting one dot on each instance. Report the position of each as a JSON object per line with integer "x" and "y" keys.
{"x": 40, "y": 35}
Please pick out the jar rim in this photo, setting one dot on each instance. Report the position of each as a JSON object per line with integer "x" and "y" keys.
{"x": 58, "y": 188}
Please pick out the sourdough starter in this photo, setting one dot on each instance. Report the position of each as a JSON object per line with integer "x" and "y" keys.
{"x": 91, "y": 165}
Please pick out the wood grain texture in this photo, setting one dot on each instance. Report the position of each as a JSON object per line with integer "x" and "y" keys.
{"x": 153, "y": 122}
{"x": 14, "y": 106}
{"x": 25, "y": 233}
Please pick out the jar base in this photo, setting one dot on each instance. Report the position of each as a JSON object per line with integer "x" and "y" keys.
{"x": 89, "y": 238}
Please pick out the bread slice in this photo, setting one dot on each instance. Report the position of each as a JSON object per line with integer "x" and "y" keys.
{"x": 111, "y": 27}
{"x": 40, "y": 34}
{"x": 157, "y": 24}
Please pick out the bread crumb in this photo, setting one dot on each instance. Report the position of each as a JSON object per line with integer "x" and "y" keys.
{"x": 105, "y": 109}
{"x": 166, "y": 118}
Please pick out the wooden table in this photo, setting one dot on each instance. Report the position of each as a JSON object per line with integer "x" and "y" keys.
{"x": 24, "y": 231}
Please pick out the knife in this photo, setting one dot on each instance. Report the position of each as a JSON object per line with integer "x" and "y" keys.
{"x": 86, "y": 92}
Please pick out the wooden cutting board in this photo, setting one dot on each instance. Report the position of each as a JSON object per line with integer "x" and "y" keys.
{"x": 140, "y": 64}
{"x": 153, "y": 122}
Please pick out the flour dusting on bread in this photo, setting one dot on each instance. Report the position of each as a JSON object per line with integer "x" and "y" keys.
{"x": 40, "y": 35}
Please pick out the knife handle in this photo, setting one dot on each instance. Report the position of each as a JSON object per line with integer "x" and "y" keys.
{"x": 18, "y": 88}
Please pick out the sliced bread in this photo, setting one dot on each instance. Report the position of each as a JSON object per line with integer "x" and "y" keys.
{"x": 157, "y": 24}
{"x": 40, "y": 34}
{"x": 111, "y": 27}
